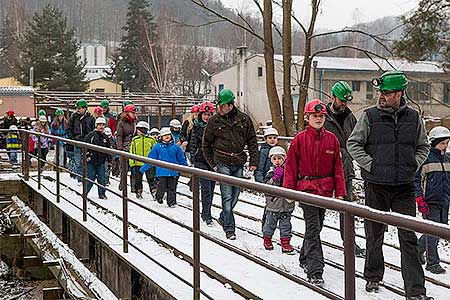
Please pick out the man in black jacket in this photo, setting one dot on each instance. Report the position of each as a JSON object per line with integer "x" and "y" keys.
{"x": 80, "y": 124}
{"x": 341, "y": 121}
{"x": 96, "y": 160}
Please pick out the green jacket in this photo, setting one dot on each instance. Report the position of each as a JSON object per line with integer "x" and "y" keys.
{"x": 141, "y": 145}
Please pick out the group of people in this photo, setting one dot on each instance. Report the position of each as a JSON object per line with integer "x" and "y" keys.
{"x": 399, "y": 164}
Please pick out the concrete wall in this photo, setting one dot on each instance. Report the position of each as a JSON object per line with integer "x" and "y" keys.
{"x": 22, "y": 105}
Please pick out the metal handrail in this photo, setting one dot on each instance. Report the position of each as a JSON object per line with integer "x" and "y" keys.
{"x": 349, "y": 209}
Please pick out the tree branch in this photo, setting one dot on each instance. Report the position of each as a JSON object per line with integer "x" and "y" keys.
{"x": 195, "y": 26}
{"x": 302, "y": 27}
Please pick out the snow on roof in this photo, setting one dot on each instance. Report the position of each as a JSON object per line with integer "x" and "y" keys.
{"x": 365, "y": 64}
{"x": 16, "y": 89}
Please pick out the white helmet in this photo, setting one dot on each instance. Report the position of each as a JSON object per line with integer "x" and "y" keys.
{"x": 439, "y": 132}
{"x": 100, "y": 120}
{"x": 108, "y": 131}
{"x": 42, "y": 118}
{"x": 174, "y": 123}
{"x": 277, "y": 150}
{"x": 143, "y": 124}
{"x": 165, "y": 131}
{"x": 270, "y": 131}
{"x": 154, "y": 130}
{"x": 13, "y": 127}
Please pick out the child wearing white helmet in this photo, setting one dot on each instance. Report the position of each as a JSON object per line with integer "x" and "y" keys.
{"x": 141, "y": 145}
{"x": 166, "y": 150}
{"x": 175, "y": 128}
{"x": 264, "y": 163}
{"x": 13, "y": 143}
{"x": 278, "y": 210}
{"x": 42, "y": 126}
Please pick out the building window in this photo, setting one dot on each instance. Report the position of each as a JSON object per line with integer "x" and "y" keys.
{"x": 260, "y": 72}
{"x": 447, "y": 92}
{"x": 356, "y": 85}
{"x": 99, "y": 90}
{"x": 221, "y": 87}
{"x": 369, "y": 91}
{"x": 420, "y": 91}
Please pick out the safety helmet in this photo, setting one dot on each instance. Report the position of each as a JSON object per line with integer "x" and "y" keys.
{"x": 143, "y": 124}
{"x": 104, "y": 103}
{"x": 174, "y": 123}
{"x": 439, "y": 132}
{"x": 165, "y": 131}
{"x": 127, "y": 102}
{"x": 342, "y": 90}
{"x": 129, "y": 108}
{"x": 206, "y": 107}
{"x": 108, "y": 131}
{"x": 42, "y": 118}
{"x": 194, "y": 108}
{"x": 100, "y": 120}
{"x": 98, "y": 110}
{"x": 391, "y": 81}
{"x": 42, "y": 112}
{"x": 270, "y": 131}
{"x": 154, "y": 131}
{"x": 82, "y": 103}
{"x": 10, "y": 112}
{"x": 277, "y": 150}
{"x": 59, "y": 112}
{"x": 315, "y": 106}
{"x": 13, "y": 127}
{"x": 225, "y": 96}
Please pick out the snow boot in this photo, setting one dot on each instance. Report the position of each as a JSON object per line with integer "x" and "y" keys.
{"x": 139, "y": 194}
{"x": 268, "y": 243}
{"x": 316, "y": 279}
{"x": 420, "y": 297}
{"x": 286, "y": 245}
{"x": 435, "y": 269}
{"x": 372, "y": 286}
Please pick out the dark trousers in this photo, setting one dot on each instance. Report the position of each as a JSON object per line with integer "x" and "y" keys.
{"x": 43, "y": 155}
{"x": 96, "y": 172}
{"x": 427, "y": 243}
{"x": 349, "y": 188}
{"x": 400, "y": 199}
{"x": 207, "y": 192}
{"x": 137, "y": 178}
{"x": 167, "y": 185}
{"x": 311, "y": 252}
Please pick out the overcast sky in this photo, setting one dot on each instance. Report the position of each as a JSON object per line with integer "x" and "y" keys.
{"x": 337, "y": 14}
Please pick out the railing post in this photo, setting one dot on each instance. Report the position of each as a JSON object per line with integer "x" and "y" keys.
{"x": 58, "y": 188}
{"x": 196, "y": 232}
{"x": 349, "y": 256}
{"x": 39, "y": 161}
{"x": 159, "y": 116}
{"x": 84, "y": 159}
{"x": 26, "y": 157}
{"x": 123, "y": 183}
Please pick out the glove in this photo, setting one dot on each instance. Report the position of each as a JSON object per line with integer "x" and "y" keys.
{"x": 422, "y": 205}
{"x": 277, "y": 173}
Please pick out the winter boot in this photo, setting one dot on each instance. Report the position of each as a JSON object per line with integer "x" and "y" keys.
{"x": 139, "y": 194}
{"x": 286, "y": 245}
{"x": 420, "y": 297}
{"x": 372, "y": 286}
{"x": 316, "y": 279}
{"x": 435, "y": 269}
{"x": 268, "y": 243}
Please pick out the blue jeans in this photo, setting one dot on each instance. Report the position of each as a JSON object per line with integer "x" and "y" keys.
{"x": 230, "y": 195}
{"x": 12, "y": 156}
{"x": 77, "y": 156}
{"x": 427, "y": 243}
{"x": 96, "y": 172}
{"x": 207, "y": 192}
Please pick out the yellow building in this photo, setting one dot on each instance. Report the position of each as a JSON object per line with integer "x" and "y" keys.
{"x": 101, "y": 85}
{"x": 10, "y": 81}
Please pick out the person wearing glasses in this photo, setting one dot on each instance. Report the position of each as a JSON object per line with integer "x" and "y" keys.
{"x": 390, "y": 144}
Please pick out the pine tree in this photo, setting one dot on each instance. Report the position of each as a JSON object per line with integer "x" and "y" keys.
{"x": 9, "y": 53}
{"x": 136, "y": 62}
{"x": 50, "y": 47}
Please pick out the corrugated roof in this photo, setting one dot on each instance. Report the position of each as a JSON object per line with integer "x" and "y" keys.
{"x": 16, "y": 90}
{"x": 365, "y": 64}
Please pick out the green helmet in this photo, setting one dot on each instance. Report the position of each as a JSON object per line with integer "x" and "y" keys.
{"x": 391, "y": 81}
{"x": 104, "y": 104}
{"x": 42, "y": 113}
{"x": 342, "y": 90}
{"x": 82, "y": 103}
{"x": 127, "y": 102}
{"x": 59, "y": 112}
{"x": 225, "y": 96}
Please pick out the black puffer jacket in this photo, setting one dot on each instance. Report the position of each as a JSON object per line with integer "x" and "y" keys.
{"x": 226, "y": 137}
{"x": 197, "y": 131}
{"x": 100, "y": 139}
{"x": 80, "y": 125}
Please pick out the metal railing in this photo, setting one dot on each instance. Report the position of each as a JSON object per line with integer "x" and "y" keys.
{"x": 350, "y": 210}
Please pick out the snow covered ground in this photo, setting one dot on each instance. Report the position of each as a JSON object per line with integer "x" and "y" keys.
{"x": 263, "y": 283}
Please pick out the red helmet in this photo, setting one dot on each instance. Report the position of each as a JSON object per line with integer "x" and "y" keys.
{"x": 98, "y": 110}
{"x": 194, "y": 108}
{"x": 315, "y": 106}
{"x": 10, "y": 112}
{"x": 206, "y": 107}
{"x": 129, "y": 108}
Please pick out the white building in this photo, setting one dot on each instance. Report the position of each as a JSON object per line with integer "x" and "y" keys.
{"x": 95, "y": 57}
{"x": 429, "y": 84}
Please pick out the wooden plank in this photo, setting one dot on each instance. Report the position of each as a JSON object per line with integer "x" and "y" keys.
{"x": 52, "y": 293}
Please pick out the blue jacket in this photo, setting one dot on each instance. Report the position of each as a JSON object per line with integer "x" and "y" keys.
{"x": 433, "y": 178}
{"x": 171, "y": 153}
{"x": 264, "y": 163}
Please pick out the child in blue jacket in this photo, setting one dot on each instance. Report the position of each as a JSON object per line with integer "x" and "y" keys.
{"x": 166, "y": 150}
